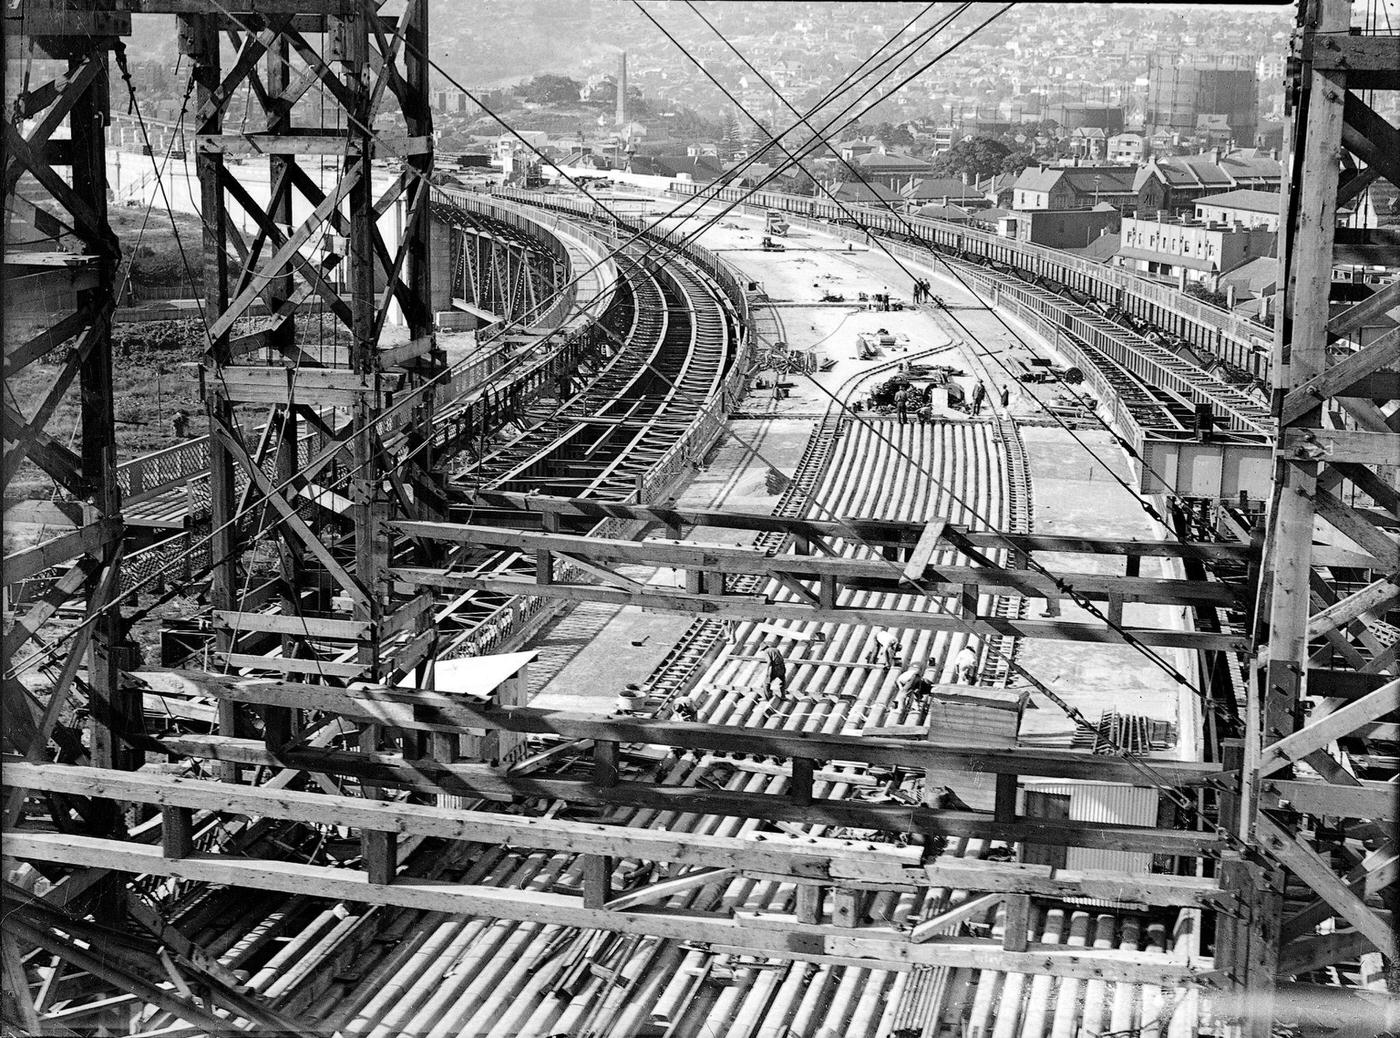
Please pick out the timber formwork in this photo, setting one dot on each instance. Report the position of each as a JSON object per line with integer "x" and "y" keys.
{"x": 1320, "y": 802}
{"x": 1323, "y": 637}
{"x": 60, "y": 265}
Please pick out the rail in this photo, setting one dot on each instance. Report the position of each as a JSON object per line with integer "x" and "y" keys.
{"x": 1243, "y": 343}
{"x": 507, "y": 621}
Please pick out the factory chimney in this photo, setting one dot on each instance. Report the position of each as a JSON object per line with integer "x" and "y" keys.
{"x": 622, "y": 89}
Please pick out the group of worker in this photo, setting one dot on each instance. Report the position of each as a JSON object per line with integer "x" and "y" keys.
{"x": 885, "y": 651}
{"x": 923, "y": 291}
{"x": 907, "y": 399}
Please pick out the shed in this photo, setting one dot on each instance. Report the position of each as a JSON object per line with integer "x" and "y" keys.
{"x": 1113, "y": 802}
{"x": 975, "y": 716}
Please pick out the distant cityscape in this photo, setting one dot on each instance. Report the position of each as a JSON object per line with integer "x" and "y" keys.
{"x": 1147, "y": 138}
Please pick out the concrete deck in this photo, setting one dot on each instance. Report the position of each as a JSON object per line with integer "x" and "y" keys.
{"x": 1071, "y": 490}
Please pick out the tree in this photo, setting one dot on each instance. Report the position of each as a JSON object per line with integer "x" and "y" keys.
{"x": 892, "y": 135}
{"x": 1016, "y": 161}
{"x": 550, "y": 90}
{"x": 978, "y": 157}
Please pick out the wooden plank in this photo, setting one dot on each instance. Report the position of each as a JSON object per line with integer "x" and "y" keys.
{"x": 756, "y": 608}
{"x": 1356, "y": 526}
{"x": 654, "y": 892}
{"x": 591, "y": 551}
{"x": 760, "y": 932}
{"x": 88, "y": 540}
{"x": 1369, "y": 599}
{"x": 397, "y": 355}
{"x": 177, "y": 832}
{"x": 1318, "y": 734}
{"x": 924, "y": 550}
{"x": 969, "y": 908}
{"x": 1340, "y": 445}
{"x": 325, "y": 668}
{"x": 875, "y": 531}
{"x": 929, "y": 753}
{"x": 1313, "y": 953}
{"x": 1359, "y": 315}
{"x": 302, "y": 626}
{"x": 1308, "y": 866}
{"x": 1379, "y": 801}
{"x": 1016, "y": 936}
{"x": 392, "y": 770}
{"x": 1340, "y": 377}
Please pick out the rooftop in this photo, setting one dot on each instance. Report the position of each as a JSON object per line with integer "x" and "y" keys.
{"x": 1247, "y": 199}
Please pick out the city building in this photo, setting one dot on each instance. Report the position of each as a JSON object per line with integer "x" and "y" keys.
{"x": 1108, "y": 118}
{"x": 1061, "y": 228}
{"x": 1188, "y": 251}
{"x": 1181, "y": 89}
{"x": 1089, "y": 142}
{"x": 1248, "y": 207}
{"x": 890, "y": 169}
{"x": 1176, "y": 182}
{"x": 945, "y": 191}
{"x": 1074, "y": 187}
{"x": 1127, "y": 148}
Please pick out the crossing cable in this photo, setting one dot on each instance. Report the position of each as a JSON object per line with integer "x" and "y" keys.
{"x": 409, "y": 399}
{"x": 1150, "y": 654}
{"x": 913, "y": 232}
{"x": 1141, "y": 764}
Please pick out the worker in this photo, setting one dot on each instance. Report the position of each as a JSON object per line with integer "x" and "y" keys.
{"x": 965, "y": 667}
{"x": 683, "y": 709}
{"x": 979, "y": 394}
{"x": 901, "y": 405}
{"x": 922, "y": 686}
{"x": 906, "y": 684}
{"x": 885, "y": 649}
{"x": 777, "y": 669}
{"x": 1005, "y": 396}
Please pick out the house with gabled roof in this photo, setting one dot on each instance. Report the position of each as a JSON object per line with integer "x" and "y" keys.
{"x": 1175, "y": 183}
{"x": 1074, "y": 187}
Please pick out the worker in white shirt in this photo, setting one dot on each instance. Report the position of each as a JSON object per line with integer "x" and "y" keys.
{"x": 965, "y": 667}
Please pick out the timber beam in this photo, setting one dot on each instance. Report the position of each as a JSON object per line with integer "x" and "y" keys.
{"x": 428, "y": 710}
{"x": 797, "y": 859}
{"x": 759, "y": 607}
{"x": 881, "y": 532}
{"x": 469, "y": 779}
{"x": 772, "y": 934}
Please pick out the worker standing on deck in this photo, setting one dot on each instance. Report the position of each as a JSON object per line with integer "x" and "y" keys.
{"x": 901, "y": 405}
{"x": 777, "y": 669}
{"x": 979, "y": 394}
{"x": 966, "y": 665}
{"x": 1005, "y": 397}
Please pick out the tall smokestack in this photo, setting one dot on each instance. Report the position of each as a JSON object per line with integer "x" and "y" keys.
{"x": 622, "y": 89}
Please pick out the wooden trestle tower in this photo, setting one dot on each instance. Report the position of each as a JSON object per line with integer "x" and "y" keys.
{"x": 1288, "y": 814}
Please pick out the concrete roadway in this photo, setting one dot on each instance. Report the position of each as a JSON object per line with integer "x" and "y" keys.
{"x": 1071, "y": 490}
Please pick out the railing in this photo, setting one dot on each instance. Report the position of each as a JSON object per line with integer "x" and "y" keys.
{"x": 1244, "y": 343}
{"x": 510, "y": 619}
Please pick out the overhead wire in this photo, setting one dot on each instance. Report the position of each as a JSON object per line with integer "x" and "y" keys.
{"x": 1083, "y": 601}
{"x": 912, "y": 231}
{"x": 1065, "y": 588}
